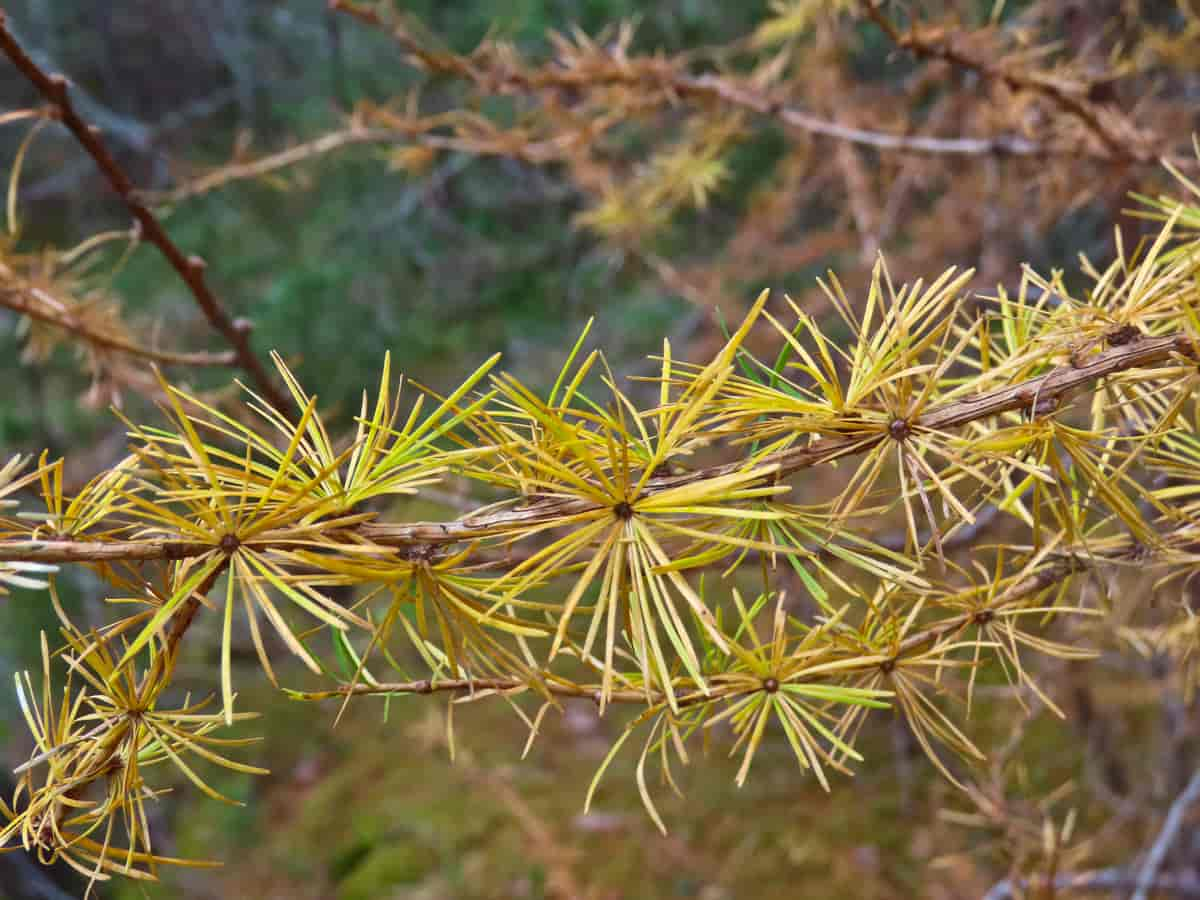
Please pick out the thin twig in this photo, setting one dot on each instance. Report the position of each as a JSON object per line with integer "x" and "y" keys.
{"x": 717, "y": 690}
{"x": 1182, "y": 885}
{"x": 471, "y": 686}
{"x": 723, "y": 89}
{"x": 55, "y": 88}
{"x": 1147, "y": 879}
{"x": 34, "y": 304}
{"x": 540, "y": 152}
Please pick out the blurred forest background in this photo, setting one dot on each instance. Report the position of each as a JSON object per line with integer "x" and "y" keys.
{"x": 499, "y": 238}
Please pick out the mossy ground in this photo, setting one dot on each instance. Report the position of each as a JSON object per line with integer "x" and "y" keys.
{"x": 369, "y": 809}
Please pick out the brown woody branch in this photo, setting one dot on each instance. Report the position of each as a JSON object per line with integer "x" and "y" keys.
{"x": 1050, "y": 390}
{"x": 468, "y": 686}
{"x": 726, "y": 91}
{"x": 396, "y": 133}
{"x": 182, "y": 619}
{"x": 55, "y": 88}
{"x": 284, "y": 159}
{"x": 100, "y": 551}
{"x": 663, "y": 75}
{"x": 1046, "y": 391}
{"x": 43, "y": 309}
{"x": 926, "y": 46}
{"x": 1148, "y": 874}
{"x": 1110, "y": 881}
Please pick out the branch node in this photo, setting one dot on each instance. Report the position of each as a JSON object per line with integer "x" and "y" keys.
{"x": 1122, "y": 335}
{"x": 1186, "y": 346}
{"x": 1046, "y": 405}
{"x": 59, "y": 83}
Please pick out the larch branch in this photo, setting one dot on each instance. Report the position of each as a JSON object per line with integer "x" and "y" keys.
{"x": 1050, "y": 389}
{"x": 916, "y": 643}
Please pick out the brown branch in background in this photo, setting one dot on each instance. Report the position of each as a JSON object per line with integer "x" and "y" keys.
{"x": 275, "y": 162}
{"x": 1147, "y": 879}
{"x": 37, "y": 305}
{"x": 935, "y": 44}
{"x": 713, "y": 87}
{"x": 398, "y": 131}
{"x": 55, "y": 88}
{"x": 666, "y": 76}
{"x": 674, "y": 280}
{"x": 1182, "y": 885}
{"x": 1045, "y": 391}
{"x": 413, "y": 133}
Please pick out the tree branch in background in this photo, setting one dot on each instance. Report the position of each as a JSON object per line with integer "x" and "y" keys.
{"x": 666, "y": 75}
{"x": 357, "y": 135}
{"x": 937, "y": 44}
{"x": 36, "y": 304}
{"x": 55, "y": 88}
{"x": 1110, "y": 880}
{"x": 1147, "y": 879}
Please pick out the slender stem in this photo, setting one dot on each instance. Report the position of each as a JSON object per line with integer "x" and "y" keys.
{"x": 476, "y": 685}
{"x": 394, "y": 133}
{"x": 64, "y": 551}
{"x": 911, "y": 646}
{"x": 1182, "y": 885}
{"x": 181, "y": 621}
{"x": 1147, "y": 879}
